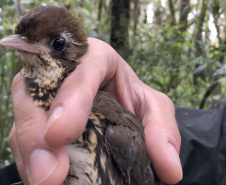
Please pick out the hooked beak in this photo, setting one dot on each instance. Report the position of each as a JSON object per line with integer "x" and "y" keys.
{"x": 20, "y": 43}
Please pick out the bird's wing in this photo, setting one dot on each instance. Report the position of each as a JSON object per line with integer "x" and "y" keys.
{"x": 125, "y": 141}
{"x": 128, "y": 150}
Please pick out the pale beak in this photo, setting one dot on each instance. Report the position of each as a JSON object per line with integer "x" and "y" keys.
{"x": 20, "y": 43}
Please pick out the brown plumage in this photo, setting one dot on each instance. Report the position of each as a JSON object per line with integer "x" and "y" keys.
{"x": 111, "y": 150}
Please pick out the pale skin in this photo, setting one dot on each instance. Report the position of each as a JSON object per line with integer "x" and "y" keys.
{"x": 38, "y": 141}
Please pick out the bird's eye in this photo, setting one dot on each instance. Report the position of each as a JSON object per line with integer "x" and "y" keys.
{"x": 59, "y": 44}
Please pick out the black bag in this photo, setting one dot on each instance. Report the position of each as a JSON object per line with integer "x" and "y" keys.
{"x": 203, "y": 147}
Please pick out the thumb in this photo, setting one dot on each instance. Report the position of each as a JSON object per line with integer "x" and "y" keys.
{"x": 162, "y": 137}
{"x": 164, "y": 153}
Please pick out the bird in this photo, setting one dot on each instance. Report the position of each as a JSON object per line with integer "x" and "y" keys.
{"x": 111, "y": 149}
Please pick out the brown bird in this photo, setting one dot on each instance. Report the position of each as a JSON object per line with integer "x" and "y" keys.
{"x": 111, "y": 150}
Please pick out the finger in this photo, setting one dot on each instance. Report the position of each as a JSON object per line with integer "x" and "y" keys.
{"x": 13, "y": 143}
{"x": 162, "y": 138}
{"x": 72, "y": 105}
{"x": 41, "y": 164}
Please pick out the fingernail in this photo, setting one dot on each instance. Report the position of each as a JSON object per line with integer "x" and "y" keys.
{"x": 54, "y": 116}
{"x": 176, "y": 158}
{"x": 42, "y": 165}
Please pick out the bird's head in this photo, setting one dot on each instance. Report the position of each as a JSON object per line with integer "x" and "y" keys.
{"x": 50, "y": 40}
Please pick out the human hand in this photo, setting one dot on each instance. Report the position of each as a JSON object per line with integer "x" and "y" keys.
{"x": 38, "y": 141}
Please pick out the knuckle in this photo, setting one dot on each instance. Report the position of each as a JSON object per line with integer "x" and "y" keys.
{"x": 26, "y": 125}
{"x": 27, "y": 131}
{"x": 167, "y": 101}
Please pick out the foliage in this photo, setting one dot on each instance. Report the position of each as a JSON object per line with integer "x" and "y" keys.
{"x": 8, "y": 68}
{"x": 174, "y": 54}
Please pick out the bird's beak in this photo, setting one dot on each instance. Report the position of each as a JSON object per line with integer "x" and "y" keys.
{"x": 20, "y": 43}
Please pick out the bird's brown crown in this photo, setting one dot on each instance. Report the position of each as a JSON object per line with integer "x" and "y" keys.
{"x": 59, "y": 40}
{"x": 50, "y": 21}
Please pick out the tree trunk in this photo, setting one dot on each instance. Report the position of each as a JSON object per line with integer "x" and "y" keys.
{"x": 198, "y": 39}
{"x": 100, "y": 10}
{"x": 119, "y": 27}
{"x": 136, "y": 13}
{"x": 172, "y": 12}
{"x": 198, "y": 33}
{"x": 184, "y": 10}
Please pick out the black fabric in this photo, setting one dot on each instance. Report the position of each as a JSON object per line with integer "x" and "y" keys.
{"x": 9, "y": 175}
{"x": 203, "y": 149}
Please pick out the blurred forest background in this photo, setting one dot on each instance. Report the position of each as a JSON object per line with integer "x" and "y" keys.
{"x": 175, "y": 46}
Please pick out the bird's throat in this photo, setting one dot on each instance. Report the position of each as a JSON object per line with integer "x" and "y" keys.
{"x": 42, "y": 96}
{"x": 43, "y": 78}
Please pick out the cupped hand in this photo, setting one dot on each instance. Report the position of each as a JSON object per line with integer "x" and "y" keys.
{"x": 38, "y": 141}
